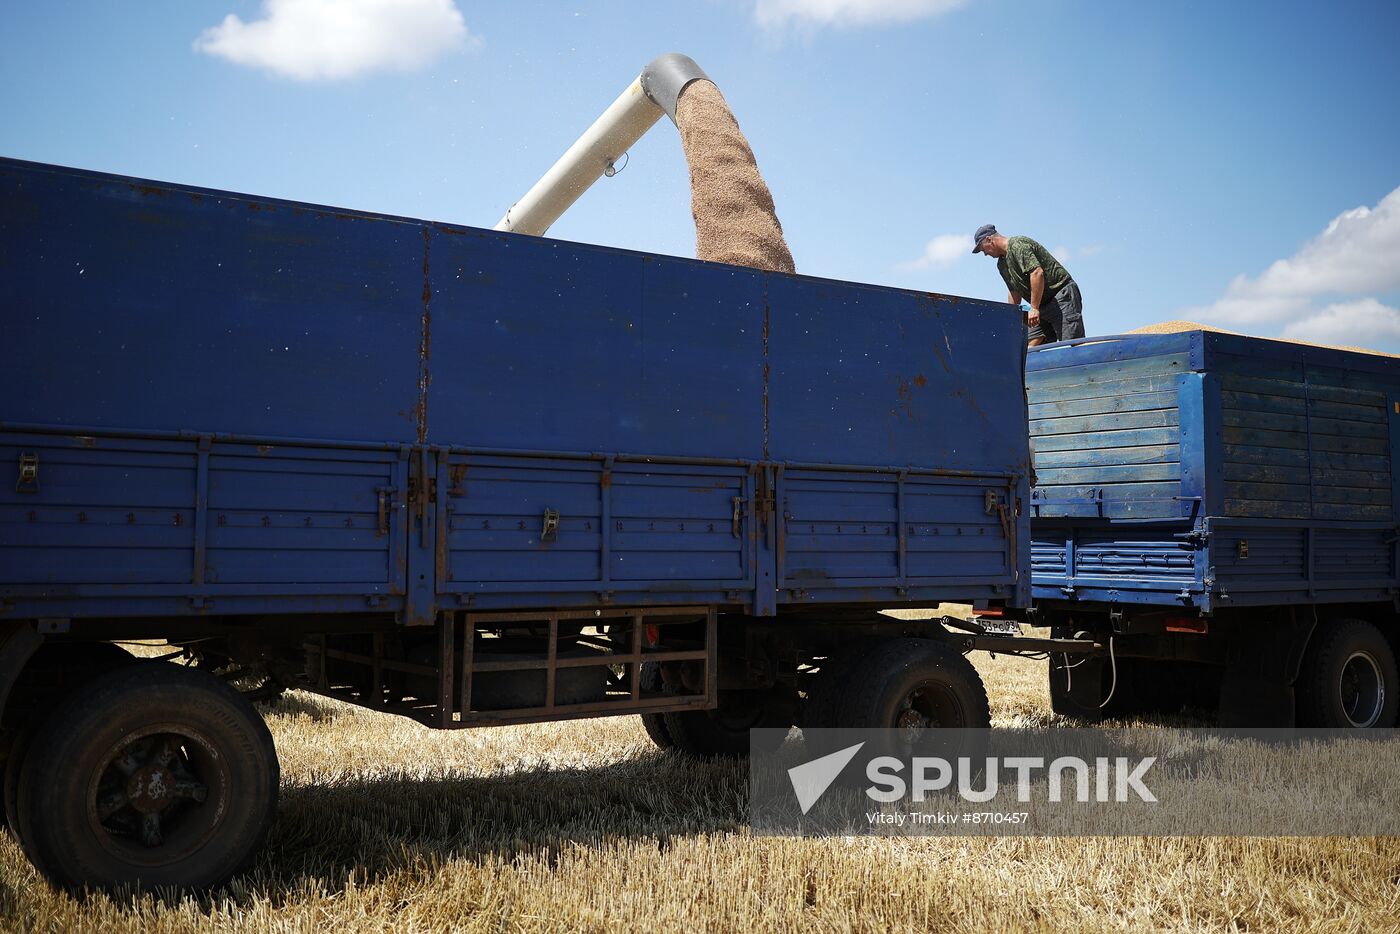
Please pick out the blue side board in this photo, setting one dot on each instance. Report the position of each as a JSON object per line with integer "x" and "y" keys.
{"x": 242, "y": 405}
{"x": 1206, "y": 470}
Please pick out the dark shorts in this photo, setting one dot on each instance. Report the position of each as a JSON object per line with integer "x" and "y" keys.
{"x": 1061, "y": 316}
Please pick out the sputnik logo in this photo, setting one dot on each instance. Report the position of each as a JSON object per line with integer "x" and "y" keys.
{"x": 810, "y": 780}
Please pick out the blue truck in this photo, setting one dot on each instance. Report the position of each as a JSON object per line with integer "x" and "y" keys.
{"x": 464, "y": 476}
{"x": 1222, "y": 513}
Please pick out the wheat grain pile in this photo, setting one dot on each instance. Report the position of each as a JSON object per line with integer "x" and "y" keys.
{"x": 1176, "y": 327}
{"x": 388, "y": 826}
{"x": 735, "y": 220}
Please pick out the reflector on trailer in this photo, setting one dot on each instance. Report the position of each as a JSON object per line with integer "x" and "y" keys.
{"x": 1195, "y": 624}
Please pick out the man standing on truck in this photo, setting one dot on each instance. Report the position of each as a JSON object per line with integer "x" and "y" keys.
{"x": 1032, "y": 274}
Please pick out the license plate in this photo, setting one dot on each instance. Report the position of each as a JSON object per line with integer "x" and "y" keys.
{"x": 998, "y": 627}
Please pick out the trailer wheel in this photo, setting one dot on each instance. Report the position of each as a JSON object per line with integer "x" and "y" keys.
{"x": 904, "y": 680}
{"x": 724, "y": 731}
{"x": 1349, "y": 678}
{"x": 831, "y": 681}
{"x": 71, "y": 665}
{"x": 914, "y": 686}
{"x": 654, "y": 723}
{"x": 153, "y": 776}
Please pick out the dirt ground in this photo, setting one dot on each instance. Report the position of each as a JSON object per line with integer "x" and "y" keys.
{"x": 387, "y": 826}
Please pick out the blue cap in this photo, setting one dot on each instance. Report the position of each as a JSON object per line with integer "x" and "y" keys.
{"x": 983, "y": 232}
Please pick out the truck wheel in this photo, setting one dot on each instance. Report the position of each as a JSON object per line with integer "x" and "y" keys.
{"x": 155, "y": 776}
{"x": 1349, "y": 678}
{"x": 654, "y": 723}
{"x": 913, "y": 686}
{"x": 724, "y": 731}
{"x": 75, "y": 664}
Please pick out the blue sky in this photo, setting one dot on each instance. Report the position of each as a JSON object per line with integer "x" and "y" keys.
{"x": 1236, "y": 163}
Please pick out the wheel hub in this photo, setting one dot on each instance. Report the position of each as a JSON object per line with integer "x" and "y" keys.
{"x": 151, "y": 789}
{"x": 1362, "y": 689}
{"x": 144, "y": 787}
{"x": 911, "y": 720}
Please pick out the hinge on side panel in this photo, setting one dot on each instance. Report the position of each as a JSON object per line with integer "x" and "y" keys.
{"x": 765, "y": 502}
{"x": 417, "y": 496}
{"x": 1195, "y": 536}
{"x": 549, "y": 526}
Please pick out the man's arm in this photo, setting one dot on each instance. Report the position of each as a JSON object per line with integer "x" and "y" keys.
{"x": 1037, "y": 293}
{"x": 1013, "y": 298}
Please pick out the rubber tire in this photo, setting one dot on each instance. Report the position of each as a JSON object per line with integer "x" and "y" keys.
{"x": 876, "y": 687}
{"x": 703, "y": 733}
{"x": 1319, "y": 701}
{"x": 654, "y": 723}
{"x": 100, "y": 657}
{"x": 824, "y": 697}
{"x": 75, "y": 741}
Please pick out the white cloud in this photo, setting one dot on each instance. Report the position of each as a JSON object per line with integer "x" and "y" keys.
{"x": 1357, "y": 255}
{"x": 943, "y": 250}
{"x": 331, "y": 39}
{"x": 1064, "y": 254}
{"x": 1365, "y": 322}
{"x": 780, "y": 13}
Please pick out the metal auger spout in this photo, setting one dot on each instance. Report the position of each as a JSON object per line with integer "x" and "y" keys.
{"x": 636, "y": 110}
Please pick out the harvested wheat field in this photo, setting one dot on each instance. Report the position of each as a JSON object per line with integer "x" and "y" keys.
{"x": 387, "y": 826}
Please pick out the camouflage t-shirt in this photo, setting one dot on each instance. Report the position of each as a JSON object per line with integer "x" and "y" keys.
{"x": 1023, "y": 255}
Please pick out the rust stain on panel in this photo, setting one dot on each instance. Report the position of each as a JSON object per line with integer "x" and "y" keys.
{"x": 456, "y": 476}
{"x": 942, "y": 359}
{"x": 767, "y": 369}
{"x": 425, "y": 343}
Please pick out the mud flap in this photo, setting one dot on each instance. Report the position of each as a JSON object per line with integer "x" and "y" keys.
{"x": 1261, "y": 665}
{"x": 1079, "y": 691}
{"x": 18, "y": 642}
{"x": 1250, "y": 701}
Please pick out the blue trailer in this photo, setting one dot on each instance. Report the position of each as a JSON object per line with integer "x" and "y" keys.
{"x": 465, "y": 476}
{"x": 1222, "y": 512}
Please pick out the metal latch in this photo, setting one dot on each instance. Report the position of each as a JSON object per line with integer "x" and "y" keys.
{"x": 990, "y": 501}
{"x": 736, "y": 519}
{"x": 1195, "y": 536}
{"x": 1242, "y": 549}
{"x": 549, "y": 528}
{"x": 385, "y": 495}
{"x": 28, "y": 481}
